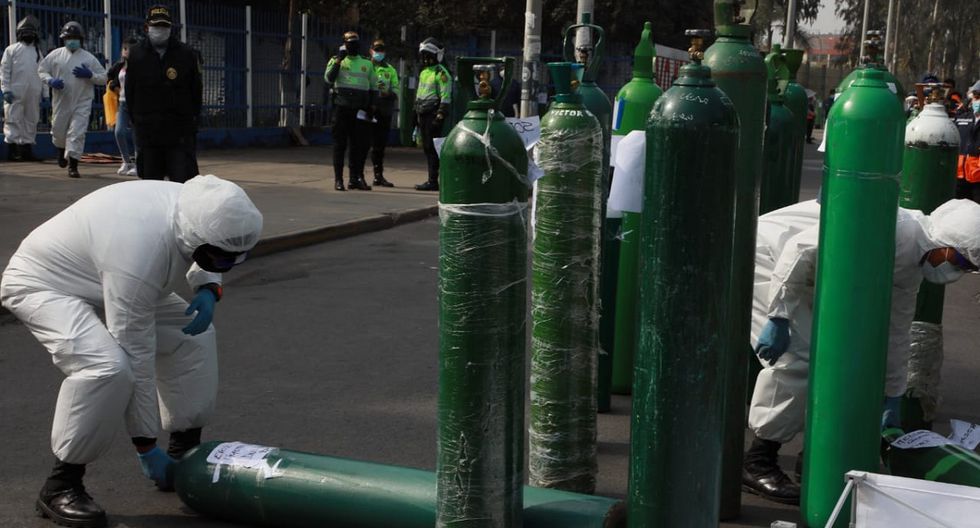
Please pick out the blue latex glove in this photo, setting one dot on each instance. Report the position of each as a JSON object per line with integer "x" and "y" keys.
{"x": 82, "y": 72}
{"x": 8, "y": 97}
{"x": 57, "y": 84}
{"x": 157, "y": 466}
{"x": 203, "y": 304}
{"x": 774, "y": 340}
{"x": 892, "y": 413}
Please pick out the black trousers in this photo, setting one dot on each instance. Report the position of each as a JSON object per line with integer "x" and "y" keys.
{"x": 349, "y": 133}
{"x": 178, "y": 162}
{"x": 379, "y": 140}
{"x": 427, "y": 133}
{"x": 967, "y": 190}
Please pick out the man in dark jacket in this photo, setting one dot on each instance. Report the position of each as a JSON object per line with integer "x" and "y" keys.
{"x": 163, "y": 93}
{"x": 967, "y": 121}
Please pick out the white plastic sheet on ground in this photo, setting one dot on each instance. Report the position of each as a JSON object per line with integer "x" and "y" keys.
{"x": 884, "y": 501}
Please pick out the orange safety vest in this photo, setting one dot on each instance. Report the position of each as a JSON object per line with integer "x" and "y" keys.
{"x": 968, "y": 168}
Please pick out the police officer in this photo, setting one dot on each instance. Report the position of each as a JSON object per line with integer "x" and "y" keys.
{"x": 384, "y": 107}
{"x": 163, "y": 96}
{"x": 432, "y": 105}
{"x": 353, "y": 82}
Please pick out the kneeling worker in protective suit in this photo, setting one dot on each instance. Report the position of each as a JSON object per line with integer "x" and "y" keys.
{"x": 124, "y": 249}
{"x": 940, "y": 248}
{"x": 72, "y": 73}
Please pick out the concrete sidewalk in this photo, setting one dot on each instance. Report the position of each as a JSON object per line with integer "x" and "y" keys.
{"x": 293, "y": 187}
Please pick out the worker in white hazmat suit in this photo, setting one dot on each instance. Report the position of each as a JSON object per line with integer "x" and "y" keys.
{"x": 72, "y": 73}
{"x": 123, "y": 249}
{"x": 940, "y": 248}
{"x": 21, "y": 88}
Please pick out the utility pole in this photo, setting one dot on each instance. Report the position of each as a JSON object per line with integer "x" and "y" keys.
{"x": 530, "y": 74}
{"x": 583, "y": 37}
{"x": 864, "y": 30}
{"x": 889, "y": 31}
{"x": 790, "y": 36}
{"x": 932, "y": 35}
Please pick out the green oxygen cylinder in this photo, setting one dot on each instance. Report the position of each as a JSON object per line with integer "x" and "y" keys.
{"x": 631, "y": 110}
{"x": 853, "y": 289}
{"x": 776, "y": 190}
{"x": 928, "y": 180}
{"x": 739, "y": 71}
{"x": 589, "y": 54}
{"x": 684, "y": 307}
{"x": 949, "y": 463}
{"x": 565, "y": 292}
{"x": 482, "y": 309}
{"x": 795, "y": 99}
{"x": 267, "y": 486}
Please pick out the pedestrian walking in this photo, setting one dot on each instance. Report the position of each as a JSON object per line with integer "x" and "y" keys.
{"x": 21, "y": 87}
{"x": 123, "y": 128}
{"x": 163, "y": 99}
{"x": 352, "y": 81}
{"x": 72, "y": 73}
{"x": 384, "y": 109}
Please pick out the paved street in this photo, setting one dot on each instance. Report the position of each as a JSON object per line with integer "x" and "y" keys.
{"x": 330, "y": 349}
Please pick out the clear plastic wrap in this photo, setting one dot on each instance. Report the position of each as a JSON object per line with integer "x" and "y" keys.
{"x": 925, "y": 366}
{"x": 492, "y": 154}
{"x": 565, "y": 298}
{"x": 482, "y": 320}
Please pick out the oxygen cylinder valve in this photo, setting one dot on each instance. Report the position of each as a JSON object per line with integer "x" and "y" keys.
{"x": 872, "y": 47}
{"x": 696, "y": 51}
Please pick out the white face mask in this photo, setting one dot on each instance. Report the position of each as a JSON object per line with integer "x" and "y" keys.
{"x": 158, "y": 35}
{"x": 944, "y": 273}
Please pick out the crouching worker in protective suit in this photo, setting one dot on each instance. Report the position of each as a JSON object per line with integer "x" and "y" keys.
{"x": 124, "y": 249}
{"x": 940, "y": 248}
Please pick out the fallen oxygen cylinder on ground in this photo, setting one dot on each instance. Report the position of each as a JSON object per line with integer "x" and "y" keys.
{"x": 482, "y": 309}
{"x": 852, "y": 305}
{"x": 928, "y": 181}
{"x": 565, "y": 292}
{"x": 738, "y": 70}
{"x": 589, "y": 55}
{"x": 685, "y": 268}
{"x": 280, "y": 488}
{"x": 631, "y": 110}
{"x": 950, "y": 463}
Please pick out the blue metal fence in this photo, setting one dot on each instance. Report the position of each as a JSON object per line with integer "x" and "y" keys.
{"x": 221, "y": 32}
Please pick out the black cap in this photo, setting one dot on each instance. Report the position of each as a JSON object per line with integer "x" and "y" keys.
{"x": 159, "y": 15}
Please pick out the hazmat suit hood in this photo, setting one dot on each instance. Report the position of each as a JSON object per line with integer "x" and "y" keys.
{"x": 29, "y": 26}
{"x": 216, "y": 212}
{"x": 956, "y": 224}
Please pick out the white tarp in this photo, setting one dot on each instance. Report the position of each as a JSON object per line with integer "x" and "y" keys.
{"x": 884, "y": 501}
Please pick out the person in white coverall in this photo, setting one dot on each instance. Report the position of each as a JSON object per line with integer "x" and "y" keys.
{"x": 123, "y": 250}
{"x": 72, "y": 73}
{"x": 940, "y": 248}
{"x": 21, "y": 87}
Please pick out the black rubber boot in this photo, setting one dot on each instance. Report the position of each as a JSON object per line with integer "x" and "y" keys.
{"x": 762, "y": 475}
{"x": 63, "y": 498}
{"x": 357, "y": 182}
{"x": 73, "y": 168}
{"x": 379, "y": 177}
{"x": 27, "y": 153}
{"x": 15, "y": 152}
{"x": 183, "y": 441}
{"x": 62, "y": 162}
{"x": 427, "y": 186}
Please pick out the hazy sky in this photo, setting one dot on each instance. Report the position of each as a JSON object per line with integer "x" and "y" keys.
{"x": 827, "y": 21}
